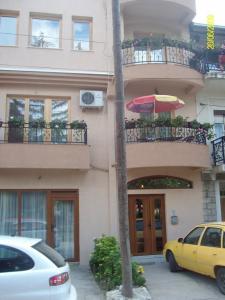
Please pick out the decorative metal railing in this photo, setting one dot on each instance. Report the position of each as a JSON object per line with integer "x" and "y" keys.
{"x": 165, "y": 134}
{"x": 165, "y": 55}
{"x": 218, "y": 151}
{"x": 47, "y": 134}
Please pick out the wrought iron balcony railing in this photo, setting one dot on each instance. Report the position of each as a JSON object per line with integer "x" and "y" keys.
{"x": 47, "y": 134}
{"x": 164, "y": 55}
{"x": 165, "y": 134}
{"x": 219, "y": 151}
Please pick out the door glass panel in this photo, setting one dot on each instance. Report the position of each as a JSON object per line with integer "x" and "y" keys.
{"x": 16, "y": 118}
{"x": 36, "y": 115}
{"x": 158, "y": 225}
{"x": 59, "y": 116}
{"x": 64, "y": 228}
{"x": 140, "y": 225}
{"x": 8, "y": 213}
{"x": 33, "y": 215}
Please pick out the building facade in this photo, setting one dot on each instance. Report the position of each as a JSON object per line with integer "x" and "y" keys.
{"x": 57, "y": 150}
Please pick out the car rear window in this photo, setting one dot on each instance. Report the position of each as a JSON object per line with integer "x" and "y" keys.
{"x": 50, "y": 253}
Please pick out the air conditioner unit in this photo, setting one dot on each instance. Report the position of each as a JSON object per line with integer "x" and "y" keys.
{"x": 92, "y": 99}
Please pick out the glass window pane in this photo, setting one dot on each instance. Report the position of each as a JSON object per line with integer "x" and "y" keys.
{"x": 33, "y": 215}
{"x": 140, "y": 226}
{"x": 8, "y": 213}
{"x": 12, "y": 260}
{"x": 193, "y": 237}
{"x": 8, "y": 30}
{"x": 60, "y": 118}
{"x": 45, "y": 33}
{"x": 64, "y": 228}
{"x": 81, "y": 35}
{"x": 36, "y": 115}
{"x": 16, "y": 116}
{"x": 212, "y": 238}
{"x": 158, "y": 224}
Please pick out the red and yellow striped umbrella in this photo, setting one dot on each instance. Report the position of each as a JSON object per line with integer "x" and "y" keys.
{"x": 155, "y": 103}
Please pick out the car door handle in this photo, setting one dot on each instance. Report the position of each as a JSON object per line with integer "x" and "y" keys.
{"x": 214, "y": 254}
{"x": 194, "y": 252}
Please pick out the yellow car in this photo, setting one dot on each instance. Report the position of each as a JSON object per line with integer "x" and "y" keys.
{"x": 201, "y": 251}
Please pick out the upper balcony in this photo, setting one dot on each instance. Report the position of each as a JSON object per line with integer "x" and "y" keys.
{"x": 155, "y": 61}
{"x": 171, "y": 11}
{"x": 166, "y": 147}
{"x": 43, "y": 146}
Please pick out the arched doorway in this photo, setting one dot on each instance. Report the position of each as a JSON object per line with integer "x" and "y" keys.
{"x": 147, "y": 213}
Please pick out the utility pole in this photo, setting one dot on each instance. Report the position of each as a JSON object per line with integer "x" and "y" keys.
{"x": 127, "y": 290}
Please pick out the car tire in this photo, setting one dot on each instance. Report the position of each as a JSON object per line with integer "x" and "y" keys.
{"x": 220, "y": 279}
{"x": 173, "y": 266}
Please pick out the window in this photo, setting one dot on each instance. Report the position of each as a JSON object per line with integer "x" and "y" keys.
{"x": 8, "y": 30}
{"x": 193, "y": 237}
{"x": 82, "y": 34}
{"x": 212, "y": 238}
{"x": 12, "y": 260}
{"x": 36, "y": 111}
{"x": 159, "y": 182}
{"x": 45, "y": 32}
{"x": 219, "y": 121}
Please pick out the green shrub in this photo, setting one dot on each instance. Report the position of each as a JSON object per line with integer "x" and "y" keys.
{"x": 105, "y": 263}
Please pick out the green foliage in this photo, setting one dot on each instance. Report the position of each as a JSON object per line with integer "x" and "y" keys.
{"x": 58, "y": 124}
{"x": 17, "y": 122}
{"x": 78, "y": 125}
{"x": 37, "y": 124}
{"x": 105, "y": 263}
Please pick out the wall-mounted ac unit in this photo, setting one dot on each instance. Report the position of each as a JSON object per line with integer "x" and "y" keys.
{"x": 92, "y": 99}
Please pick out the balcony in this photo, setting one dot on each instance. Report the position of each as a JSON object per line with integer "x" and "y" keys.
{"x": 155, "y": 60}
{"x": 43, "y": 146}
{"x": 166, "y": 147}
{"x": 172, "y": 11}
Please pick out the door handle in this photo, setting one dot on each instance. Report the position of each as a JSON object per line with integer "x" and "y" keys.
{"x": 214, "y": 254}
{"x": 149, "y": 225}
{"x": 194, "y": 252}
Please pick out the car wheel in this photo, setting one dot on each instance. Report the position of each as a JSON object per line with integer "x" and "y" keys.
{"x": 172, "y": 263}
{"x": 220, "y": 279}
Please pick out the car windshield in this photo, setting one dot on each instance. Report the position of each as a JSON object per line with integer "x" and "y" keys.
{"x": 50, "y": 253}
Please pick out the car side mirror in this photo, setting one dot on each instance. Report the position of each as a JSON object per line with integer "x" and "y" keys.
{"x": 180, "y": 240}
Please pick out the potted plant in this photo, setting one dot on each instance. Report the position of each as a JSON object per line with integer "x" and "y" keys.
{"x": 37, "y": 124}
{"x": 16, "y": 122}
{"x": 58, "y": 124}
{"x": 78, "y": 125}
{"x": 130, "y": 124}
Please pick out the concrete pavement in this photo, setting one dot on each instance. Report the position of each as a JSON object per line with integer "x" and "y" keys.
{"x": 162, "y": 284}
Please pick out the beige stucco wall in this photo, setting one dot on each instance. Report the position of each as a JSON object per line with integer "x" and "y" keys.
{"x": 98, "y": 59}
{"x": 97, "y": 188}
{"x": 187, "y": 204}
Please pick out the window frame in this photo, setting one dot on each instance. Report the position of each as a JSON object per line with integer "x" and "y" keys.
{"x": 200, "y": 237}
{"x": 12, "y": 14}
{"x": 88, "y": 20}
{"x": 47, "y": 17}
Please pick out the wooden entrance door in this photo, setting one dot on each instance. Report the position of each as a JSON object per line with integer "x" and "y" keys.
{"x": 147, "y": 224}
{"x": 64, "y": 224}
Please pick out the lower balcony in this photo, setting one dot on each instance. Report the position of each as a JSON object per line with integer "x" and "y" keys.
{"x": 166, "y": 147}
{"x": 32, "y": 146}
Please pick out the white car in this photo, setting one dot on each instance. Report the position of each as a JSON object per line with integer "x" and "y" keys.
{"x": 31, "y": 270}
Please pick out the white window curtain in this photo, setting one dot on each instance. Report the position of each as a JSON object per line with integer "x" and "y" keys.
{"x": 8, "y": 213}
{"x": 33, "y": 221}
{"x": 64, "y": 228}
